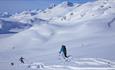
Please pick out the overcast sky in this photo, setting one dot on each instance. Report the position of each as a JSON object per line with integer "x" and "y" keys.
{"x": 13, "y": 6}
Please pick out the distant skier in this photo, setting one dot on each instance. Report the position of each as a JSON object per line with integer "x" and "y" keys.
{"x": 12, "y": 63}
{"x": 63, "y": 51}
{"x": 21, "y": 60}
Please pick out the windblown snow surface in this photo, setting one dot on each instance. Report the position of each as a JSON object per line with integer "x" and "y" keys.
{"x": 87, "y": 30}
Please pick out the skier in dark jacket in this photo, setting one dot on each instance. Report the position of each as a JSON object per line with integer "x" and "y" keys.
{"x": 21, "y": 60}
{"x": 12, "y": 63}
{"x": 63, "y": 51}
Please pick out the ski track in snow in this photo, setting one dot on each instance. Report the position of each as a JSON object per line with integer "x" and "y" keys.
{"x": 79, "y": 64}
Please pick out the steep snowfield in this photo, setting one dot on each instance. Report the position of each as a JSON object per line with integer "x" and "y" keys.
{"x": 89, "y": 41}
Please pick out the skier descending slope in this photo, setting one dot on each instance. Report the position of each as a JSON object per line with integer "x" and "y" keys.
{"x": 63, "y": 51}
{"x": 21, "y": 60}
{"x": 12, "y": 63}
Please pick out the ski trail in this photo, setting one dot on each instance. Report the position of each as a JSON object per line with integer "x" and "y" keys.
{"x": 93, "y": 62}
{"x": 78, "y": 64}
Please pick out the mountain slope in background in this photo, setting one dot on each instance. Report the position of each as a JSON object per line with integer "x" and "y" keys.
{"x": 46, "y": 14}
{"x": 5, "y": 15}
{"x": 90, "y": 10}
{"x": 12, "y": 27}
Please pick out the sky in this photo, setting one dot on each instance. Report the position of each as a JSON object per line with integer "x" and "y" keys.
{"x": 13, "y": 6}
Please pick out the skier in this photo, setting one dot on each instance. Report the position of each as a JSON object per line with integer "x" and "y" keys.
{"x": 21, "y": 60}
{"x": 12, "y": 63}
{"x": 63, "y": 51}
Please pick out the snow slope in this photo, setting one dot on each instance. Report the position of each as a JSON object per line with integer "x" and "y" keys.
{"x": 42, "y": 43}
{"x": 89, "y": 41}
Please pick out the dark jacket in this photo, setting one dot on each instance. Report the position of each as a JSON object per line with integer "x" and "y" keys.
{"x": 63, "y": 50}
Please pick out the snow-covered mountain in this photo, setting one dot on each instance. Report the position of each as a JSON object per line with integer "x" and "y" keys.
{"x": 87, "y": 30}
{"x": 90, "y": 10}
{"x": 12, "y": 27}
{"x": 56, "y": 11}
{"x": 4, "y": 15}
{"x": 47, "y": 14}
{"x": 67, "y": 12}
{"x": 25, "y": 16}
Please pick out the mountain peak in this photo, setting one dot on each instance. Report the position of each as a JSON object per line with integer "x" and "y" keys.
{"x": 5, "y": 14}
{"x": 67, "y": 3}
{"x": 106, "y": 0}
{"x": 52, "y": 6}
